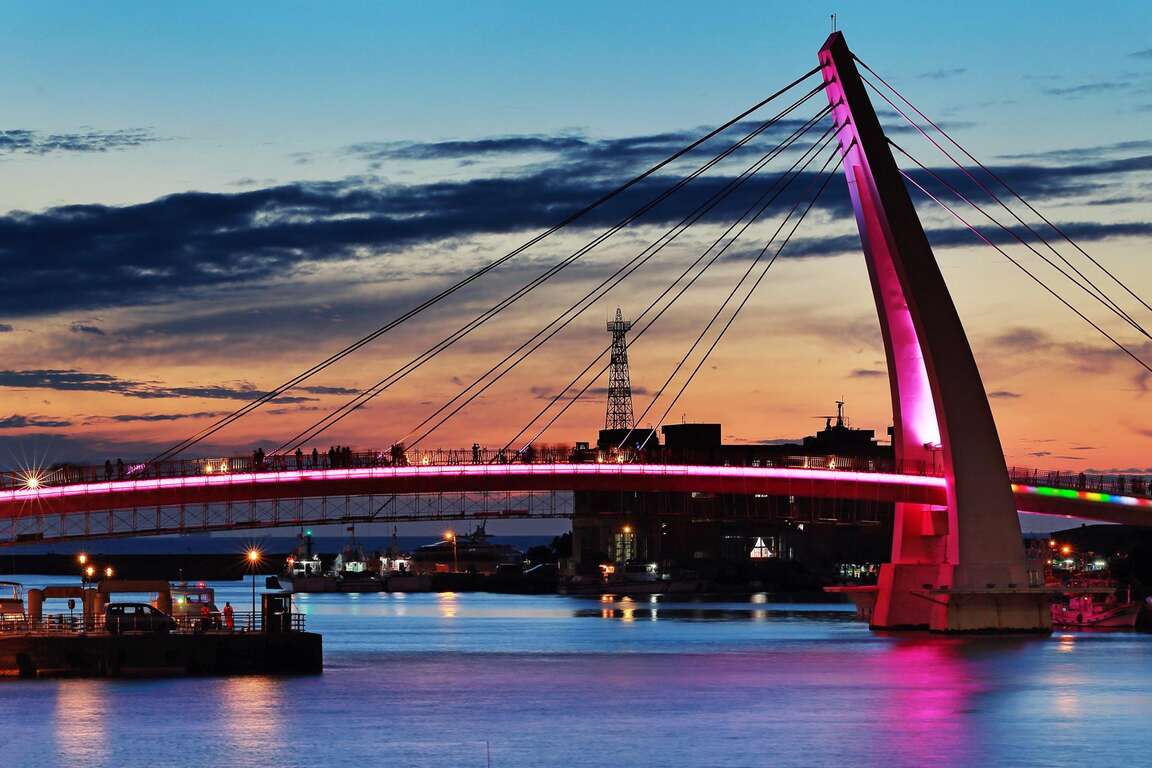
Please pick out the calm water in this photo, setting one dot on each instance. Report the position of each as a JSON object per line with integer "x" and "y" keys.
{"x": 439, "y": 680}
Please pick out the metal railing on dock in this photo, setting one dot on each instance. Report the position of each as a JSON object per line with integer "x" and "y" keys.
{"x": 77, "y": 624}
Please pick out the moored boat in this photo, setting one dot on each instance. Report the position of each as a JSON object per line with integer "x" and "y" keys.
{"x": 1095, "y": 609}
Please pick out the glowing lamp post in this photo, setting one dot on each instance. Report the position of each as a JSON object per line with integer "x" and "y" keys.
{"x": 108, "y": 572}
{"x": 253, "y": 561}
{"x": 450, "y": 536}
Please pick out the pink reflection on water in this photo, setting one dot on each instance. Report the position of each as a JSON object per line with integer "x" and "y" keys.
{"x": 927, "y": 685}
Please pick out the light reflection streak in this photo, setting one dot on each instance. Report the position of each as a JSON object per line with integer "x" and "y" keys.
{"x": 80, "y": 722}
{"x": 448, "y": 605}
{"x": 251, "y": 720}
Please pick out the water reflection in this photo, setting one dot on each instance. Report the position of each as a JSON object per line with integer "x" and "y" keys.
{"x": 925, "y": 686}
{"x": 250, "y": 714}
{"x": 80, "y": 722}
{"x": 447, "y": 604}
{"x": 627, "y": 611}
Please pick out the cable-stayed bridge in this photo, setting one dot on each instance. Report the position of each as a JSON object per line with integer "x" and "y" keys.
{"x": 957, "y": 560}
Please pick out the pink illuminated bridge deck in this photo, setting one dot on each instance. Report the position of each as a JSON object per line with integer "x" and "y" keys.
{"x": 876, "y": 486}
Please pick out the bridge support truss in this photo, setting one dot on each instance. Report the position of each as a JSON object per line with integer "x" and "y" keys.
{"x": 257, "y": 514}
{"x": 960, "y": 567}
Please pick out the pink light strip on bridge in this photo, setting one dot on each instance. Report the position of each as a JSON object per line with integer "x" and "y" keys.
{"x": 464, "y": 470}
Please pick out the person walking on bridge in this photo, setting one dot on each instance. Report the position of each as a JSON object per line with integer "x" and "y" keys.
{"x": 229, "y": 617}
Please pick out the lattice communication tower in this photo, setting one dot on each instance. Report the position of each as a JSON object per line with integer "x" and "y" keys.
{"x": 619, "y": 415}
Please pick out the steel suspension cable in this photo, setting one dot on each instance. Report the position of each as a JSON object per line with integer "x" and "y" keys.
{"x": 445, "y": 293}
{"x": 1025, "y": 270}
{"x": 996, "y": 177}
{"x": 590, "y": 298}
{"x": 731, "y": 295}
{"x": 1090, "y": 288}
{"x": 787, "y": 178}
{"x": 965, "y": 199}
{"x": 1009, "y": 231}
{"x": 732, "y": 318}
{"x": 370, "y": 393}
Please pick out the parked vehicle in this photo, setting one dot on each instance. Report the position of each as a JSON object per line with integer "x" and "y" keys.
{"x": 196, "y": 602}
{"x": 136, "y": 617}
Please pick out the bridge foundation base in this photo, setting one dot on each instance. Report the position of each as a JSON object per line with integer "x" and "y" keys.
{"x": 918, "y": 597}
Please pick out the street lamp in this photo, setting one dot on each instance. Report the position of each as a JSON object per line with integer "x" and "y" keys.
{"x": 253, "y": 561}
{"x": 82, "y": 559}
{"x": 450, "y": 536}
{"x": 108, "y": 572}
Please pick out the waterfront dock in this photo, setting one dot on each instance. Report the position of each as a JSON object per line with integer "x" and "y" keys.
{"x": 128, "y": 639}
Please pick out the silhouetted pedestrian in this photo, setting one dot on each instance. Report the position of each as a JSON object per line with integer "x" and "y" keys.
{"x": 108, "y": 469}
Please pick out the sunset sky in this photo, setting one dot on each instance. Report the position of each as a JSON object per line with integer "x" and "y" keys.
{"x": 202, "y": 201}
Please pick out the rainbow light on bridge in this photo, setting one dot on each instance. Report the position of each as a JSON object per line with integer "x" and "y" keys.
{"x": 1092, "y": 496}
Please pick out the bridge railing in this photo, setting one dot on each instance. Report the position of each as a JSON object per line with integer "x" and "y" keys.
{"x": 77, "y": 624}
{"x": 73, "y": 474}
{"x": 398, "y": 456}
{"x": 1112, "y": 484}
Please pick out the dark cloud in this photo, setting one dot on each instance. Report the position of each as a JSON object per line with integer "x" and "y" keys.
{"x": 5, "y": 328}
{"x": 452, "y": 150}
{"x": 867, "y": 373}
{"x": 1086, "y": 89}
{"x": 943, "y": 74}
{"x": 1003, "y": 394}
{"x": 81, "y": 381}
{"x": 1144, "y": 54}
{"x": 298, "y": 409}
{"x": 1022, "y": 340}
{"x": 1081, "y": 154}
{"x": 85, "y": 257}
{"x": 153, "y": 417}
{"x": 321, "y": 390}
{"x": 592, "y": 393}
{"x": 1088, "y": 358}
{"x": 20, "y": 422}
{"x": 83, "y": 328}
{"x": 595, "y": 156}
{"x": 21, "y": 141}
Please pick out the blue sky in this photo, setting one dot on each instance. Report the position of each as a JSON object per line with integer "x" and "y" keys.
{"x": 235, "y": 89}
{"x": 126, "y": 109}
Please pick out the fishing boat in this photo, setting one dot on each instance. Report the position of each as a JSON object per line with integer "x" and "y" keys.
{"x": 1095, "y": 609}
